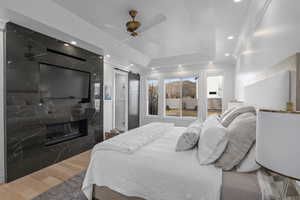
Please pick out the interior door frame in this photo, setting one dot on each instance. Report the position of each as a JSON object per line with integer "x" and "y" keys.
{"x": 212, "y": 74}
{"x": 115, "y": 72}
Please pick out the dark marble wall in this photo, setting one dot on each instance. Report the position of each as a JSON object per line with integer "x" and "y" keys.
{"x": 28, "y": 112}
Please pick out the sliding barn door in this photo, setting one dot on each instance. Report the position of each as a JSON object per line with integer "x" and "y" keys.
{"x": 133, "y": 100}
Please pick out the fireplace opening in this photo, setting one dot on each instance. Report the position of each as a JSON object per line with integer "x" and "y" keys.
{"x": 61, "y": 132}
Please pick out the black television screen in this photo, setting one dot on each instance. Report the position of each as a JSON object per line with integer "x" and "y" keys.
{"x": 60, "y": 82}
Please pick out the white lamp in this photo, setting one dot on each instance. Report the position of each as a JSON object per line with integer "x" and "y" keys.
{"x": 278, "y": 143}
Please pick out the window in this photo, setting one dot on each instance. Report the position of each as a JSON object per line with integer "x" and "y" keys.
{"x": 152, "y": 97}
{"x": 214, "y": 94}
{"x": 181, "y": 97}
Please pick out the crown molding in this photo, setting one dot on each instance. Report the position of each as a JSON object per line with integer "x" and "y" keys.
{"x": 256, "y": 12}
{"x": 2, "y": 24}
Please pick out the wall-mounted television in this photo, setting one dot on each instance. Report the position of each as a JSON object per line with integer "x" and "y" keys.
{"x": 58, "y": 82}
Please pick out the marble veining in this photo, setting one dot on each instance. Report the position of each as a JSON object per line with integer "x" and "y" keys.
{"x": 28, "y": 111}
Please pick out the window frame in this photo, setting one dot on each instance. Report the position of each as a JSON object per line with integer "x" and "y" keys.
{"x": 221, "y": 74}
{"x": 147, "y": 97}
{"x": 164, "y": 97}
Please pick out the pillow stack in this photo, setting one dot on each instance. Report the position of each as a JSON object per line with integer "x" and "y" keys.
{"x": 229, "y": 141}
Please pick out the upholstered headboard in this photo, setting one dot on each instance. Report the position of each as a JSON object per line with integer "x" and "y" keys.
{"x": 270, "y": 93}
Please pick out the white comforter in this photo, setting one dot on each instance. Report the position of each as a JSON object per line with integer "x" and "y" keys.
{"x": 135, "y": 138}
{"x": 155, "y": 172}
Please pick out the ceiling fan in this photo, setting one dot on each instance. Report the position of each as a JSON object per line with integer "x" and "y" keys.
{"x": 133, "y": 25}
{"x": 136, "y": 28}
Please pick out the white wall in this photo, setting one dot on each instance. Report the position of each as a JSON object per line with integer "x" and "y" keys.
{"x": 2, "y": 148}
{"x": 202, "y": 72}
{"x": 264, "y": 50}
{"x": 108, "y": 104}
{"x": 271, "y": 93}
{"x": 215, "y": 84}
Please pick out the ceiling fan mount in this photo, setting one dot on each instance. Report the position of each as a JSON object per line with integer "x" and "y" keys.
{"x": 133, "y": 25}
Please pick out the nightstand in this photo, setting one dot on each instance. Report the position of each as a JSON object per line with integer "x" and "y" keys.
{"x": 109, "y": 135}
{"x": 272, "y": 185}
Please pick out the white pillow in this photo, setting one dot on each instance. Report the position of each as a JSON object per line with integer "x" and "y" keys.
{"x": 226, "y": 112}
{"x": 212, "y": 120}
{"x": 212, "y": 144}
{"x": 226, "y": 121}
{"x": 241, "y": 136}
{"x": 197, "y": 124}
{"x": 249, "y": 163}
{"x": 189, "y": 138}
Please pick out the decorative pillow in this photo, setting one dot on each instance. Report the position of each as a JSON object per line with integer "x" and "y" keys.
{"x": 188, "y": 139}
{"x": 240, "y": 135}
{"x": 226, "y": 112}
{"x": 212, "y": 144}
{"x": 249, "y": 163}
{"x": 196, "y": 124}
{"x": 226, "y": 121}
{"x": 212, "y": 120}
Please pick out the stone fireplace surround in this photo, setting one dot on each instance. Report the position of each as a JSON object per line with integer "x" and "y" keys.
{"x": 30, "y": 117}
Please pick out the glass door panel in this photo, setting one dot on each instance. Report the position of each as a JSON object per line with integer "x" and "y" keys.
{"x": 173, "y": 97}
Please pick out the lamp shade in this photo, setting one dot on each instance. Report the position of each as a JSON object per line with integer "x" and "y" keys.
{"x": 278, "y": 142}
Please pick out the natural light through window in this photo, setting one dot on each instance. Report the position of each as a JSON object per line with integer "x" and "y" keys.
{"x": 152, "y": 97}
{"x": 181, "y": 97}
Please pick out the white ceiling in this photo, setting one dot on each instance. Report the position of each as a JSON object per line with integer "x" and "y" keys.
{"x": 195, "y": 31}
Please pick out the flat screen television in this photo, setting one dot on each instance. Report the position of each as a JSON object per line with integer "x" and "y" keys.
{"x": 64, "y": 83}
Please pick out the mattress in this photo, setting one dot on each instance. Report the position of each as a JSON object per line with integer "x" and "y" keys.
{"x": 157, "y": 172}
{"x": 235, "y": 186}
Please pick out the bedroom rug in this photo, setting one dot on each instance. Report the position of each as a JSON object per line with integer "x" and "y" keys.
{"x": 68, "y": 190}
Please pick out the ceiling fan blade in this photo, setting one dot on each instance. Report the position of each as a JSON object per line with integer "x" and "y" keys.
{"x": 114, "y": 30}
{"x": 127, "y": 39}
{"x": 146, "y": 38}
{"x": 109, "y": 26}
{"x": 158, "y": 19}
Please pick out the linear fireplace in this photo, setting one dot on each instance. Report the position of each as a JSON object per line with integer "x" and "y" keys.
{"x": 61, "y": 132}
{"x": 51, "y": 92}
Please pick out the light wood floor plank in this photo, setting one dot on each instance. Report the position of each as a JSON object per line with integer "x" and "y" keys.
{"x": 36, "y": 183}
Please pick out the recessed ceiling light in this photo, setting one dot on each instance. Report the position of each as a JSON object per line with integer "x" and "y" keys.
{"x": 227, "y": 54}
{"x": 152, "y": 68}
{"x": 211, "y": 62}
{"x": 231, "y": 37}
{"x": 179, "y": 65}
{"x": 101, "y": 57}
{"x": 131, "y": 65}
{"x": 107, "y": 56}
{"x": 73, "y": 42}
{"x": 237, "y": 1}
{"x": 66, "y": 44}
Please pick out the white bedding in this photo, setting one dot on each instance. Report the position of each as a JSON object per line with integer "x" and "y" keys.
{"x": 135, "y": 138}
{"x": 155, "y": 172}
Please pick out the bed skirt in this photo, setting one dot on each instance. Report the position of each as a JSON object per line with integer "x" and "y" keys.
{"x": 236, "y": 186}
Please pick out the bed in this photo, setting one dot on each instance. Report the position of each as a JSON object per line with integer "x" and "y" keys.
{"x": 156, "y": 172}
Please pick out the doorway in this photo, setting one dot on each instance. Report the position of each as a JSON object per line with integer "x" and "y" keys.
{"x": 121, "y": 100}
{"x": 214, "y": 95}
